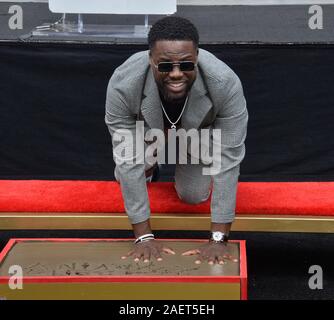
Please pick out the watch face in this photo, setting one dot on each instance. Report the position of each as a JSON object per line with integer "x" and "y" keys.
{"x": 217, "y": 236}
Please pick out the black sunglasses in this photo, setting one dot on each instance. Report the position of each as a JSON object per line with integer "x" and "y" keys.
{"x": 168, "y": 66}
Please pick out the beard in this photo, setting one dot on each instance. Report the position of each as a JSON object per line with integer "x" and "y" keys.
{"x": 175, "y": 98}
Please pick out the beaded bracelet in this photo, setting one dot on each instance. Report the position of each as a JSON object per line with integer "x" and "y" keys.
{"x": 145, "y": 237}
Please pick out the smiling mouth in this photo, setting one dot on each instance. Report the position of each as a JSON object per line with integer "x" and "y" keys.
{"x": 177, "y": 86}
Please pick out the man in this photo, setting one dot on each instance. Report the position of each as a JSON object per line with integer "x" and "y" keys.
{"x": 175, "y": 85}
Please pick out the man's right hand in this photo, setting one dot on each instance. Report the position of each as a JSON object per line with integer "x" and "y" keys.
{"x": 147, "y": 250}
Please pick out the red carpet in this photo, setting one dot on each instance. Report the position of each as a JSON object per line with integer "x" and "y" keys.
{"x": 304, "y": 198}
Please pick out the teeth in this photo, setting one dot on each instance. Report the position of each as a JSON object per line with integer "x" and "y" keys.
{"x": 176, "y": 84}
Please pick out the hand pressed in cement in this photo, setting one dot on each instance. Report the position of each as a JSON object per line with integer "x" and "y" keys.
{"x": 212, "y": 252}
{"x": 148, "y": 249}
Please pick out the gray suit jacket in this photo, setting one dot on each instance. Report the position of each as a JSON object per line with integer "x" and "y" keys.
{"x": 216, "y": 101}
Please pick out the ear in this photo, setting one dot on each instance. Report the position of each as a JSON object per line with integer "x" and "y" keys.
{"x": 197, "y": 52}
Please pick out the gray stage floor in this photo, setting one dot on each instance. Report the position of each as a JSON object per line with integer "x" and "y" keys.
{"x": 216, "y": 23}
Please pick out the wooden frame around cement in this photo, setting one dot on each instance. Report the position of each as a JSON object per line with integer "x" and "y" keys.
{"x": 176, "y": 221}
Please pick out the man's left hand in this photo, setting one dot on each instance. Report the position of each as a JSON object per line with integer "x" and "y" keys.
{"x": 212, "y": 252}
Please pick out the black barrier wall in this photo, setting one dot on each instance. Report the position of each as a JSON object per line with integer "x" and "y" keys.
{"x": 53, "y": 98}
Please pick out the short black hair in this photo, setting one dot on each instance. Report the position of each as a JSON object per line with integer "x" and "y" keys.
{"x": 173, "y": 28}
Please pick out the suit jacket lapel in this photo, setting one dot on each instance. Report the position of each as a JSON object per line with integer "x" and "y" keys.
{"x": 199, "y": 104}
{"x": 150, "y": 106}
